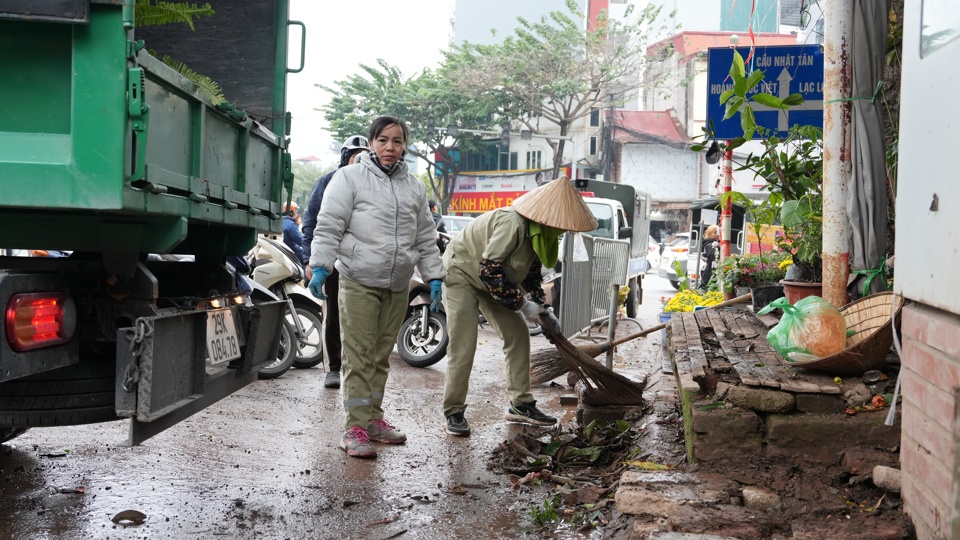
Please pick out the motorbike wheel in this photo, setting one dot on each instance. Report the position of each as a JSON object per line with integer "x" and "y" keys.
{"x": 423, "y": 351}
{"x": 286, "y": 354}
{"x": 311, "y": 347}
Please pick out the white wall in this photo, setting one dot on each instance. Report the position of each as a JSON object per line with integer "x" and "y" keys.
{"x": 928, "y": 233}
{"x": 667, "y": 174}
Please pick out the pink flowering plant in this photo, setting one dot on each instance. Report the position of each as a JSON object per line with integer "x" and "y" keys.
{"x": 751, "y": 270}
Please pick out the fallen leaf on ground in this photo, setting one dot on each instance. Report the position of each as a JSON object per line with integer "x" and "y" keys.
{"x": 648, "y": 465}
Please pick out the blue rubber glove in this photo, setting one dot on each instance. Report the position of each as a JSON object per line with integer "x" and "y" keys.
{"x": 436, "y": 293}
{"x": 320, "y": 274}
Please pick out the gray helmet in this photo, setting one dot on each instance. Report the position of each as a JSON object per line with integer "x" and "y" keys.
{"x": 351, "y": 145}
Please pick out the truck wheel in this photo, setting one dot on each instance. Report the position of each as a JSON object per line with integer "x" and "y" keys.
{"x": 311, "y": 349}
{"x": 9, "y": 433}
{"x": 286, "y": 354}
{"x": 79, "y": 394}
{"x": 675, "y": 285}
{"x": 633, "y": 299}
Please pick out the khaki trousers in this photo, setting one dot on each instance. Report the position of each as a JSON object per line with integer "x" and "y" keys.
{"x": 369, "y": 321}
{"x": 464, "y": 303}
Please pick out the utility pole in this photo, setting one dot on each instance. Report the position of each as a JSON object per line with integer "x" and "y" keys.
{"x": 837, "y": 163}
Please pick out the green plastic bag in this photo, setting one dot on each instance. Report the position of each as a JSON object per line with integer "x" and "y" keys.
{"x": 809, "y": 330}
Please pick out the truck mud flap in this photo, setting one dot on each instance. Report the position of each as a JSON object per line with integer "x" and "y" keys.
{"x": 162, "y": 373}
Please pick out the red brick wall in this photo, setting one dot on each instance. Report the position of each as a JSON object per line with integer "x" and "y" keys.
{"x": 931, "y": 377}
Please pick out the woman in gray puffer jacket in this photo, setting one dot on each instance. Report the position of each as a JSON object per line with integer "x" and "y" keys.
{"x": 375, "y": 223}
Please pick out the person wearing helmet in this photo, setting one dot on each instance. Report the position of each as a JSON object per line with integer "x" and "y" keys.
{"x": 291, "y": 231}
{"x": 491, "y": 266}
{"x": 352, "y": 147}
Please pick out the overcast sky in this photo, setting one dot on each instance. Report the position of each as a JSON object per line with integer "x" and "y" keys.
{"x": 341, "y": 36}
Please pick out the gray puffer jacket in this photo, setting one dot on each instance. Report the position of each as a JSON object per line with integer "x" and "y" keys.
{"x": 377, "y": 228}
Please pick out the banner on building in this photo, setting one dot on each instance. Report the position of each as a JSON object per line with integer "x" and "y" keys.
{"x": 478, "y": 193}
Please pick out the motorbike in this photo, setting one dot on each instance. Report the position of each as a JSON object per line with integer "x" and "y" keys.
{"x": 278, "y": 269}
{"x": 423, "y": 339}
{"x": 255, "y": 292}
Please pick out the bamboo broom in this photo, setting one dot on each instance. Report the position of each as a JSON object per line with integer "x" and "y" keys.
{"x": 604, "y": 385}
{"x": 547, "y": 364}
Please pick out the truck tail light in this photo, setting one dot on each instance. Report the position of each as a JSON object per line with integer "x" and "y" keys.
{"x": 679, "y": 250}
{"x": 35, "y": 320}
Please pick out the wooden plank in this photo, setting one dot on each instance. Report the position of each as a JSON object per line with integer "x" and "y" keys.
{"x": 676, "y": 346}
{"x": 739, "y": 342}
{"x": 698, "y": 358}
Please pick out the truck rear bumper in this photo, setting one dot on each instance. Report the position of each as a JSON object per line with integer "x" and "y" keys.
{"x": 163, "y": 375}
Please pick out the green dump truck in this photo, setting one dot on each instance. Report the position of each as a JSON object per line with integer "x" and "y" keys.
{"x": 109, "y": 156}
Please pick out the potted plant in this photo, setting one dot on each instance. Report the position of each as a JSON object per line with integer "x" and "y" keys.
{"x": 793, "y": 169}
{"x": 762, "y": 273}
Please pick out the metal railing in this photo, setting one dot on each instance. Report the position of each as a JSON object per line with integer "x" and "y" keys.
{"x": 588, "y": 271}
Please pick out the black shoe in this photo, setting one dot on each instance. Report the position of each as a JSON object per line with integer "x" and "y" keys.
{"x": 332, "y": 380}
{"x": 457, "y": 425}
{"x": 528, "y": 413}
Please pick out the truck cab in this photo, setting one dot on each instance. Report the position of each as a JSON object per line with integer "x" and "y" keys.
{"x": 622, "y": 214}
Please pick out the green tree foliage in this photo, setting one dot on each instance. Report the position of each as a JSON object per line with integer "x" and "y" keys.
{"x": 554, "y": 71}
{"x": 431, "y": 95}
{"x": 305, "y": 176}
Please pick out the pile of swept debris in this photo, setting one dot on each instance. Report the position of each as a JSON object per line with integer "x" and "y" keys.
{"x": 599, "y": 481}
{"x": 582, "y": 466}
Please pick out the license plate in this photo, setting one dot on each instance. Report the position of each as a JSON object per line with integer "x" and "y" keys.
{"x": 222, "y": 342}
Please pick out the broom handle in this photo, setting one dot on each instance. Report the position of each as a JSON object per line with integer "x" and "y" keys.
{"x": 661, "y": 326}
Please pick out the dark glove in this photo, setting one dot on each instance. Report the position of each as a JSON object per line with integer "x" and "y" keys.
{"x": 436, "y": 295}
{"x": 320, "y": 274}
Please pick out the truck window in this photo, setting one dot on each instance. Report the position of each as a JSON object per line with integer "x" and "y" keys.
{"x": 605, "y": 223}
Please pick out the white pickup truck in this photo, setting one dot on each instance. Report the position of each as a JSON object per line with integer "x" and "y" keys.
{"x": 622, "y": 214}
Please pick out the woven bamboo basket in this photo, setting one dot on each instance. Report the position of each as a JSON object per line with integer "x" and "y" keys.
{"x": 867, "y": 347}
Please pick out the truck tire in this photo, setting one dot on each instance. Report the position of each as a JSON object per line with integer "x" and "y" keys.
{"x": 633, "y": 299}
{"x": 79, "y": 394}
{"x": 10, "y": 433}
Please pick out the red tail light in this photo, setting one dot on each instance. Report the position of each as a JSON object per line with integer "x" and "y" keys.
{"x": 679, "y": 250}
{"x": 36, "y": 320}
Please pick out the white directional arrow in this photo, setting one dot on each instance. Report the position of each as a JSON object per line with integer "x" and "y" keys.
{"x": 783, "y": 89}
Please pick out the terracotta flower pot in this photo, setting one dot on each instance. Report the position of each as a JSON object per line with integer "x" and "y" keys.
{"x": 798, "y": 290}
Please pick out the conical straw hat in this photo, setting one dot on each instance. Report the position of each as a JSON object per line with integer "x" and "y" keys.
{"x": 556, "y": 204}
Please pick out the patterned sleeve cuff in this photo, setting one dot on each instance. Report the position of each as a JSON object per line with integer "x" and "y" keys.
{"x": 533, "y": 284}
{"x": 494, "y": 278}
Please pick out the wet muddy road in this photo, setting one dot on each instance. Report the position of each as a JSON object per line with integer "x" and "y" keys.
{"x": 264, "y": 463}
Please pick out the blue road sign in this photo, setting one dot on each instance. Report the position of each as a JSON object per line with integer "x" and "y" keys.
{"x": 788, "y": 69}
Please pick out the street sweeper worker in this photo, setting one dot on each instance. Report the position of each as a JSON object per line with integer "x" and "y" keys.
{"x": 492, "y": 265}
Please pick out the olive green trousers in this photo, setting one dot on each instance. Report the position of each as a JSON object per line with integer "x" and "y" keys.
{"x": 464, "y": 303}
{"x": 369, "y": 321}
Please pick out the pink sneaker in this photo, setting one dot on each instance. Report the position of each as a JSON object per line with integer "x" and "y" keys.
{"x": 381, "y": 431}
{"x": 356, "y": 443}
